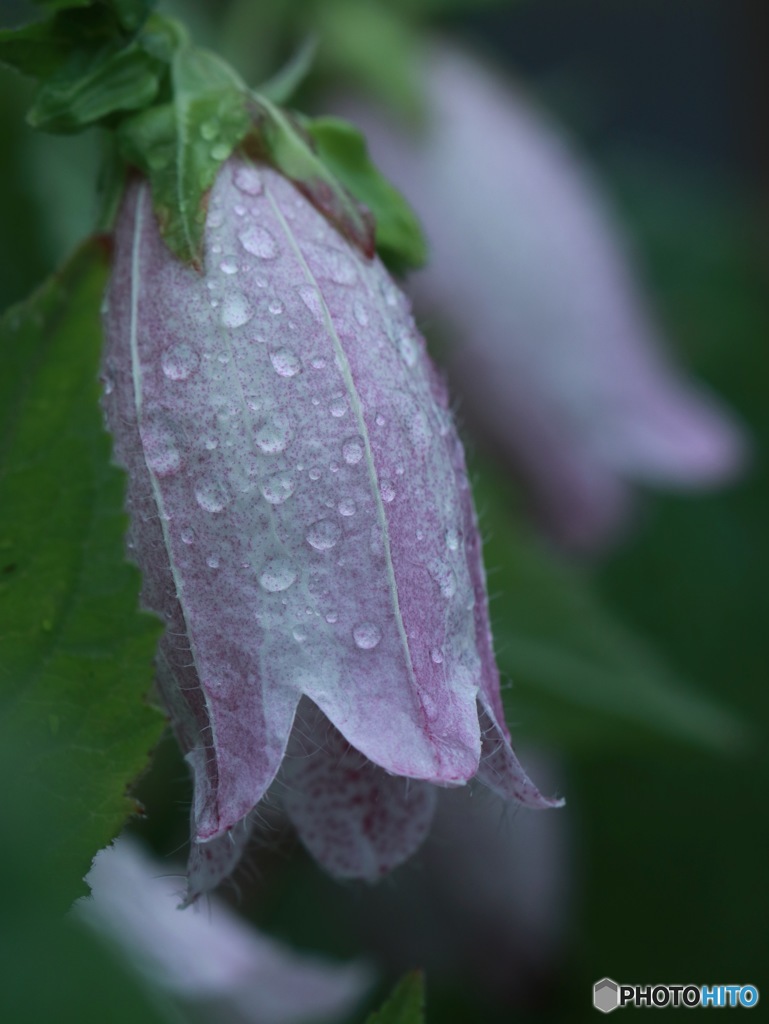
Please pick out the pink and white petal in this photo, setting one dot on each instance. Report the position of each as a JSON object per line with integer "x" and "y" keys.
{"x": 213, "y": 960}
{"x": 501, "y": 770}
{"x": 211, "y": 862}
{"x": 354, "y": 818}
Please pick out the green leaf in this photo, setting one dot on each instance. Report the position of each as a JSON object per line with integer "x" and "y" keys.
{"x": 399, "y": 238}
{"x": 181, "y": 145}
{"x": 579, "y": 677}
{"x": 75, "y": 651}
{"x": 91, "y": 86}
{"x": 405, "y": 1005}
{"x": 286, "y": 144}
{"x": 38, "y": 49}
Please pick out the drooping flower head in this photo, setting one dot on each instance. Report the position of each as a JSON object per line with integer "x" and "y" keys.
{"x": 301, "y": 513}
{"x": 558, "y": 358}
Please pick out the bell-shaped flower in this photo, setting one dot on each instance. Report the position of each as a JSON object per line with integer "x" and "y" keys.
{"x": 557, "y": 356}
{"x": 213, "y": 962}
{"x": 301, "y": 513}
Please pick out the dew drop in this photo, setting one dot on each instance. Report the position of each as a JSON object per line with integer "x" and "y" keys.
{"x": 299, "y": 634}
{"x": 188, "y": 536}
{"x": 332, "y": 617}
{"x": 209, "y": 130}
{"x": 360, "y": 314}
{"x": 220, "y": 151}
{"x": 324, "y": 534}
{"x": 380, "y": 420}
{"x": 179, "y": 361}
{"x": 346, "y": 507}
{"x": 452, "y": 539}
{"x": 229, "y": 266}
{"x": 437, "y": 655}
{"x": 275, "y": 306}
{"x": 259, "y": 242}
{"x": 211, "y": 496}
{"x": 314, "y": 474}
{"x": 235, "y": 310}
{"x": 248, "y": 181}
{"x": 274, "y": 435}
{"x": 310, "y": 296}
{"x": 285, "y": 362}
{"x": 160, "y": 449}
{"x": 352, "y": 451}
{"x": 408, "y": 349}
{"x": 212, "y": 562}
{"x": 278, "y": 488}
{"x": 366, "y": 635}
{"x": 444, "y": 576}
{"x": 278, "y": 574}
{"x": 338, "y": 406}
{"x": 387, "y": 490}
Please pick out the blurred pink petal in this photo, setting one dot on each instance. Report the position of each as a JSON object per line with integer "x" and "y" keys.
{"x": 207, "y": 956}
{"x": 558, "y": 359}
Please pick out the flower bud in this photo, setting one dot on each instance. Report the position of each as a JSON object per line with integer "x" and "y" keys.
{"x": 301, "y": 513}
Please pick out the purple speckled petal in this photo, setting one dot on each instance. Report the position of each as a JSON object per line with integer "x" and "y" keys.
{"x": 300, "y": 510}
{"x": 354, "y": 818}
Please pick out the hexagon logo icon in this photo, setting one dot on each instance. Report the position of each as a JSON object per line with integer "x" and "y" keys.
{"x": 606, "y": 995}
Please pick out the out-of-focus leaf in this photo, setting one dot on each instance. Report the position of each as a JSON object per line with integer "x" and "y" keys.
{"x": 182, "y": 144}
{"x": 405, "y": 1005}
{"x": 369, "y": 44}
{"x": 282, "y": 86}
{"x": 286, "y": 144}
{"x": 399, "y": 238}
{"x": 36, "y": 49}
{"x": 75, "y": 651}
{"x": 579, "y": 677}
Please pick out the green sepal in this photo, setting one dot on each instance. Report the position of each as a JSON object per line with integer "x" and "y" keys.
{"x": 283, "y": 141}
{"x": 282, "y": 86}
{"x": 181, "y": 144}
{"x": 130, "y": 13}
{"x": 399, "y": 238}
{"x": 405, "y": 1005}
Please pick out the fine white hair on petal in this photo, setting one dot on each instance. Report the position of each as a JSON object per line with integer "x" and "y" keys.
{"x": 558, "y": 358}
{"x": 210, "y": 956}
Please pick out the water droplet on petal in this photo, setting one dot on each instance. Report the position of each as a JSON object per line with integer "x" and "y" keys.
{"x": 229, "y": 266}
{"x": 179, "y": 361}
{"x": 160, "y": 449}
{"x": 278, "y": 488}
{"x": 299, "y": 634}
{"x": 285, "y": 362}
{"x": 188, "y": 536}
{"x": 248, "y": 181}
{"x": 360, "y": 314}
{"x": 211, "y": 496}
{"x": 408, "y": 348}
{"x": 437, "y": 655}
{"x": 452, "y": 539}
{"x": 259, "y": 242}
{"x": 338, "y": 406}
{"x": 352, "y": 451}
{"x": 310, "y": 296}
{"x": 324, "y": 534}
{"x": 346, "y": 507}
{"x": 367, "y": 635}
{"x": 212, "y": 562}
{"x": 235, "y": 310}
{"x": 332, "y": 617}
{"x": 278, "y": 574}
{"x": 274, "y": 435}
{"x": 387, "y": 490}
{"x": 444, "y": 576}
